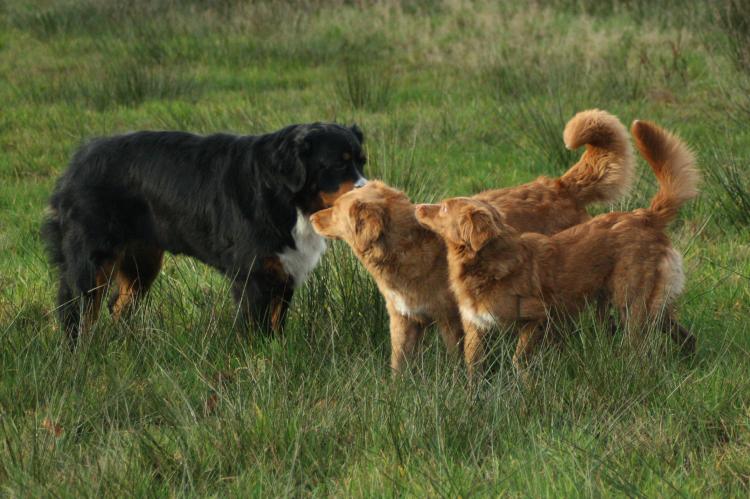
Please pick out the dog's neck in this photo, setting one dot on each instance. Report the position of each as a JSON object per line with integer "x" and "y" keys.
{"x": 393, "y": 257}
{"x": 473, "y": 273}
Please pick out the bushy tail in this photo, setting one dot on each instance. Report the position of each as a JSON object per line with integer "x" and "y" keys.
{"x": 606, "y": 169}
{"x": 51, "y": 232}
{"x": 673, "y": 164}
{"x": 68, "y": 309}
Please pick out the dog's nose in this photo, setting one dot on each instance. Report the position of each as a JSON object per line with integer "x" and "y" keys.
{"x": 361, "y": 181}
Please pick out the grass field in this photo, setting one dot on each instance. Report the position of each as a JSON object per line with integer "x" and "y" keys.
{"x": 453, "y": 97}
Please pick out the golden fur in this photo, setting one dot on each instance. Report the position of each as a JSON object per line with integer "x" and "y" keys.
{"x": 408, "y": 261}
{"x": 499, "y": 274}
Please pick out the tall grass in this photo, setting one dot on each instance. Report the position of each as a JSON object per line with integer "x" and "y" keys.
{"x": 453, "y": 97}
{"x": 734, "y": 18}
{"x": 364, "y": 86}
{"x": 730, "y": 183}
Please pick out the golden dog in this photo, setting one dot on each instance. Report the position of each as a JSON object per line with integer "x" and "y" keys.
{"x": 408, "y": 262}
{"x": 499, "y": 274}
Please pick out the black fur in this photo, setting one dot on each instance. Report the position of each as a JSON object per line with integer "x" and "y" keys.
{"x": 229, "y": 201}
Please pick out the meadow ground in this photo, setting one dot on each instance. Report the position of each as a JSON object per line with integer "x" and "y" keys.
{"x": 454, "y": 97}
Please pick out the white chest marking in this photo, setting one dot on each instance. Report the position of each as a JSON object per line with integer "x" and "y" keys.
{"x": 482, "y": 320}
{"x": 399, "y": 303}
{"x": 299, "y": 262}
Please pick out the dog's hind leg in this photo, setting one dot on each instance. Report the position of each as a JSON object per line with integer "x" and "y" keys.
{"x": 80, "y": 304}
{"x": 680, "y": 334}
{"x": 604, "y": 313}
{"x": 136, "y": 271}
{"x": 68, "y": 310}
{"x": 669, "y": 285}
{"x": 633, "y": 316}
{"x": 529, "y": 338}
{"x": 667, "y": 323}
{"x": 452, "y": 332}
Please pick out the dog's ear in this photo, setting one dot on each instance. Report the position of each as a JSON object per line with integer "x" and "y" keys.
{"x": 368, "y": 223}
{"x": 477, "y": 226}
{"x": 286, "y": 154}
{"x": 358, "y": 133}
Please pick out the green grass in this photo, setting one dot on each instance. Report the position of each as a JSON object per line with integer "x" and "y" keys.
{"x": 453, "y": 97}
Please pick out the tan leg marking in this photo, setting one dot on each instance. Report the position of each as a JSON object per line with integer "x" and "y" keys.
{"x": 137, "y": 269}
{"x": 91, "y": 313}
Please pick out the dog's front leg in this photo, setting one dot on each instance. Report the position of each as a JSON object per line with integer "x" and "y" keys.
{"x": 263, "y": 302}
{"x": 405, "y": 336}
{"x": 473, "y": 348}
{"x": 529, "y": 337}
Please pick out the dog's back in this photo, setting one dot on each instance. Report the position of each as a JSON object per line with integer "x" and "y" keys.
{"x": 604, "y": 173}
{"x": 628, "y": 253}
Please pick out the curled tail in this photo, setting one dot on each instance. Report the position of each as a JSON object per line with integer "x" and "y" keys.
{"x": 606, "y": 169}
{"x": 673, "y": 164}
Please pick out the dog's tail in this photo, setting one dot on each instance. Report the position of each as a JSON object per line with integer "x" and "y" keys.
{"x": 606, "y": 169}
{"x": 51, "y": 232}
{"x": 673, "y": 164}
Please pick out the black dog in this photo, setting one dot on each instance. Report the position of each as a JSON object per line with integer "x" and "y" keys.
{"x": 238, "y": 203}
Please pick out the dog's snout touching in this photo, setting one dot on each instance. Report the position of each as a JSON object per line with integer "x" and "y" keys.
{"x": 361, "y": 182}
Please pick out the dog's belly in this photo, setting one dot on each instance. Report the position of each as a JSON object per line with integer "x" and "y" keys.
{"x": 309, "y": 247}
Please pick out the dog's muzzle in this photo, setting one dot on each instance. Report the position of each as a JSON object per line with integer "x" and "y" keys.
{"x": 361, "y": 182}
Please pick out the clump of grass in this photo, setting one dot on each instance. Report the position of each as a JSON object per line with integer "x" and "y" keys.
{"x": 734, "y": 19}
{"x": 364, "y": 85}
{"x": 131, "y": 84}
{"x": 48, "y": 22}
{"x": 731, "y": 187}
{"x": 128, "y": 83}
{"x": 396, "y": 160}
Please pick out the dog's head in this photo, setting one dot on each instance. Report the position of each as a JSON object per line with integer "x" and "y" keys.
{"x": 465, "y": 223}
{"x": 362, "y": 217}
{"x": 316, "y": 163}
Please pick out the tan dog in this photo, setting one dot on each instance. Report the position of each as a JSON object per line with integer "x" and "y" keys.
{"x": 499, "y": 274}
{"x": 408, "y": 261}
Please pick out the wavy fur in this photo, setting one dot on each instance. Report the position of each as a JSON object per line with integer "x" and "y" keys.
{"x": 605, "y": 171}
{"x": 673, "y": 164}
